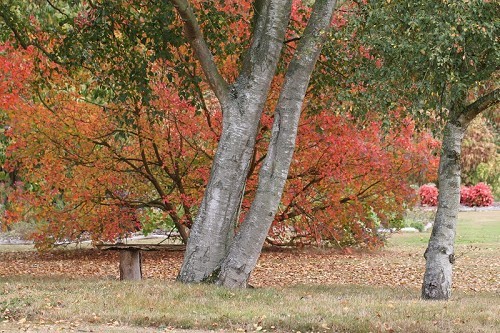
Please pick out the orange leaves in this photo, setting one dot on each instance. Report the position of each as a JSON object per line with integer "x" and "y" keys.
{"x": 347, "y": 180}
{"x": 96, "y": 159}
{"x": 94, "y": 166}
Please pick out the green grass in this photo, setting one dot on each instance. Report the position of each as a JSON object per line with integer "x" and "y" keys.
{"x": 480, "y": 228}
{"x": 301, "y": 308}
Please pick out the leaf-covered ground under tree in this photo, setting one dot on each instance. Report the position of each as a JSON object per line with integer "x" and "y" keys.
{"x": 400, "y": 264}
{"x": 477, "y": 267}
{"x": 355, "y": 291}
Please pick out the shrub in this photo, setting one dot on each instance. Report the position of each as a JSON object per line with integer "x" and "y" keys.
{"x": 479, "y": 195}
{"x": 465, "y": 195}
{"x": 418, "y": 218}
{"x": 428, "y": 195}
{"x": 480, "y": 156}
{"x": 418, "y": 225}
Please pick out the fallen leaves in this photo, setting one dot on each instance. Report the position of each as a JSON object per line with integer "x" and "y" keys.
{"x": 275, "y": 268}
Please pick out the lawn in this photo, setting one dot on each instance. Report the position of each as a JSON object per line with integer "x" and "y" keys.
{"x": 300, "y": 290}
{"x": 480, "y": 228}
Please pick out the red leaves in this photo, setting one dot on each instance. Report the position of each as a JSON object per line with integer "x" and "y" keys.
{"x": 428, "y": 195}
{"x": 476, "y": 196}
{"x": 89, "y": 166}
{"x": 346, "y": 180}
{"x": 473, "y": 196}
{"x": 347, "y": 177}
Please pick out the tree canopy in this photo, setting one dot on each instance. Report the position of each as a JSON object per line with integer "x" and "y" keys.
{"x": 148, "y": 95}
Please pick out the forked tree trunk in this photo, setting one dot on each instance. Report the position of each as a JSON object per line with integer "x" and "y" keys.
{"x": 246, "y": 248}
{"x": 242, "y": 105}
{"x": 213, "y": 229}
{"x": 208, "y": 256}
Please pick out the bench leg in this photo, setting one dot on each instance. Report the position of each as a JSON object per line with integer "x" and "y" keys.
{"x": 130, "y": 264}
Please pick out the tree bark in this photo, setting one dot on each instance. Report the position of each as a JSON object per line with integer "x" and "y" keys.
{"x": 440, "y": 254}
{"x": 213, "y": 229}
{"x": 242, "y": 106}
{"x": 246, "y": 248}
{"x": 440, "y": 251}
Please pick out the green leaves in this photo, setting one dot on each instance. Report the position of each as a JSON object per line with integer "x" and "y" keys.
{"x": 109, "y": 48}
{"x": 436, "y": 42}
{"x": 429, "y": 53}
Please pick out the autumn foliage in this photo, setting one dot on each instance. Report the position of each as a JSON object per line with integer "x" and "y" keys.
{"x": 348, "y": 179}
{"x": 428, "y": 195}
{"x": 480, "y": 158}
{"x": 89, "y": 173}
{"x": 478, "y": 195}
{"x": 95, "y": 169}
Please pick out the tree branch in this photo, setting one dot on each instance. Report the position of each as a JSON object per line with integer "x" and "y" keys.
{"x": 8, "y": 22}
{"x": 57, "y": 9}
{"x": 269, "y": 27}
{"x": 481, "y": 104}
{"x": 294, "y": 39}
{"x": 195, "y": 37}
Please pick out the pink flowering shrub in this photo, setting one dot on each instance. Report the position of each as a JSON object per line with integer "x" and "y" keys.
{"x": 428, "y": 195}
{"x": 476, "y": 196}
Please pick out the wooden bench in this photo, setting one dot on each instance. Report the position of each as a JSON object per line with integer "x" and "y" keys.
{"x": 131, "y": 258}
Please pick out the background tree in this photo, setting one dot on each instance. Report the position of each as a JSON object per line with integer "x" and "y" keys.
{"x": 442, "y": 56}
{"x": 348, "y": 179}
{"x": 360, "y": 176}
{"x": 480, "y": 155}
{"x": 242, "y": 104}
{"x": 103, "y": 172}
{"x": 14, "y": 68}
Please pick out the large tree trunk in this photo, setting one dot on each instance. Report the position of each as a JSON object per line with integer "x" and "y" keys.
{"x": 246, "y": 248}
{"x": 242, "y": 105}
{"x": 213, "y": 229}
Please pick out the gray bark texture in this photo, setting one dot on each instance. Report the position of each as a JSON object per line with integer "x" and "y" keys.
{"x": 246, "y": 247}
{"x": 440, "y": 251}
{"x": 213, "y": 229}
{"x": 213, "y": 253}
{"x": 242, "y": 106}
{"x": 440, "y": 254}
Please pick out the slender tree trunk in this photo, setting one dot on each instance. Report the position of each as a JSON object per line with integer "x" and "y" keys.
{"x": 440, "y": 251}
{"x": 440, "y": 254}
{"x": 246, "y": 248}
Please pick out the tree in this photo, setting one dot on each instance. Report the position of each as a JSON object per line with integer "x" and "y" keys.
{"x": 119, "y": 47}
{"x": 11, "y": 93}
{"x": 98, "y": 171}
{"x": 480, "y": 156}
{"x": 212, "y": 253}
{"x": 96, "y": 174}
{"x": 442, "y": 56}
{"x": 349, "y": 178}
